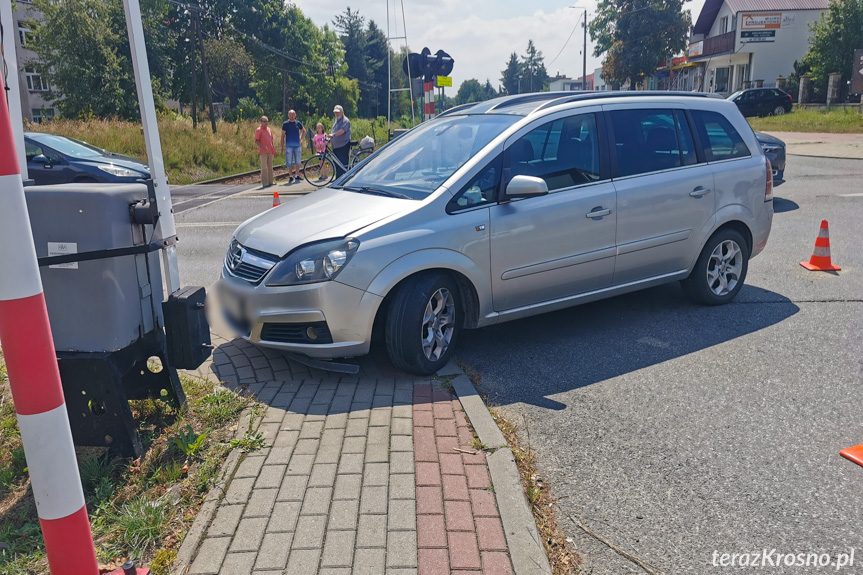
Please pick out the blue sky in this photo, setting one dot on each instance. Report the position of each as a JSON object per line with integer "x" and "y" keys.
{"x": 481, "y": 34}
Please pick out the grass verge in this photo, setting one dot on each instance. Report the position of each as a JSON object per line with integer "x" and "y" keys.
{"x": 139, "y": 509}
{"x": 834, "y": 121}
{"x": 560, "y": 552}
{"x": 191, "y": 154}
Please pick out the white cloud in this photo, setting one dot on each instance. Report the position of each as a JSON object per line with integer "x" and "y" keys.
{"x": 480, "y": 34}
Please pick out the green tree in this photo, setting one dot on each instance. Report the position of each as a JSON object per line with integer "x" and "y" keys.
{"x": 510, "y": 75}
{"x": 636, "y": 34}
{"x": 376, "y": 65}
{"x": 533, "y": 72}
{"x": 351, "y": 28}
{"x": 230, "y": 68}
{"x": 833, "y": 41}
{"x": 83, "y": 51}
{"x": 470, "y": 91}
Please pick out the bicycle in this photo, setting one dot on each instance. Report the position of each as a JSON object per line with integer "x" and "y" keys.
{"x": 325, "y": 162}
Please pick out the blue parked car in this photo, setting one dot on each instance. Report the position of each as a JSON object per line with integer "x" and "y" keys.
{"x": 53, "y": 159}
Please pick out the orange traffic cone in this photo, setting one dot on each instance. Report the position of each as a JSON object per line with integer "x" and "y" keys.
{"x": 820, "y": 260}
{"x": 276, "y": 200}
{"x": 854, "y": 454}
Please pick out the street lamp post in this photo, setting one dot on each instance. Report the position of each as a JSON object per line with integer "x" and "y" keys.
{"x": 583, "y": 50}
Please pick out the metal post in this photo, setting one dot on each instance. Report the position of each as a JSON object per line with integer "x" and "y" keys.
{"x": 165, "y": 227}
{"x": 194, "y": 71}
{"x": 14, "y": 100}
{"x": 34, "y": 378}
{"x": 207, "y": 89}
{"x": 584, "y": 55}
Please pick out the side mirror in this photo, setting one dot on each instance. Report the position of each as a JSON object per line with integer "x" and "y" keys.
{"x": 41, "y": 159}
{"x": 525, "y": 187}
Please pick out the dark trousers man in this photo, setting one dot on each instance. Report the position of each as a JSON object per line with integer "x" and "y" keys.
{"x": 342, "y": 155}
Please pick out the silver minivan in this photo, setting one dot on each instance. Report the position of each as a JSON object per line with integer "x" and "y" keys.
{"x": 500, "y": 210}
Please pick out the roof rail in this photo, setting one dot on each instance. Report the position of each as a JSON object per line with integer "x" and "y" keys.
{"x": 508, "y": 101}
{"x": 582, "y": 96}
{"x": 459, "y": 108}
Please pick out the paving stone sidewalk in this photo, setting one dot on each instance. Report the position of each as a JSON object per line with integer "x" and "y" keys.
{"x": 363, "y": 475}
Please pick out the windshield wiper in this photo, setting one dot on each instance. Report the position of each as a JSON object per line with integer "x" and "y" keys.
{"x": 368, "y": 190}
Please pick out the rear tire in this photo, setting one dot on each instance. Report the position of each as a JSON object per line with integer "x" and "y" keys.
{"x": 778, "y": 111}
{"x": 423, "y": 323}
{"x": 720, "y": 271}
{"x": 314, "y": 167}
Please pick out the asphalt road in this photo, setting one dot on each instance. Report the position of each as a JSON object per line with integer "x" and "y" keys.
{"x": 674, "y": 430}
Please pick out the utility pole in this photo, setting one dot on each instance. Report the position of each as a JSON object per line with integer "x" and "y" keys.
{"x": 584, "y": 54}
{"x": 194, "y": 71}
{"x": 206, "y": 75}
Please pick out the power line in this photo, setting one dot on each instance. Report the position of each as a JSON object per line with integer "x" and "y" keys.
{"x": 568, "y": 39}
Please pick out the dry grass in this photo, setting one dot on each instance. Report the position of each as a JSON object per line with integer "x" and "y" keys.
{"x": 190, "y": 154}
{"x": 561, "y": 553}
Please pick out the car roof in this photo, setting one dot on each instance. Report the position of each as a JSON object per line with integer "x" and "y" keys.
{"x": 528, "y": 104}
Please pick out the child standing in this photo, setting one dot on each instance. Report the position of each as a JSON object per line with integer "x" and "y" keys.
{"x": 320, "y": 141}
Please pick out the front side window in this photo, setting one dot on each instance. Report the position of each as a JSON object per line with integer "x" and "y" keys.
{"x": 718, "y": 137}
{"x": 650, "y": 140}
{"x": 480, "y": 190}
{"x": 563, "y": 152}
{"x": 416, "y": 164}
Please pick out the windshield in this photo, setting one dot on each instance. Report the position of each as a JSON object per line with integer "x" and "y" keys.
{"x": 66, "y": 146}
{"x": 734, "y": 95}
{"x": 416, "y": 164}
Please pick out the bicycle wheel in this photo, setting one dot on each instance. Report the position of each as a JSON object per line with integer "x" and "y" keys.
{"x": 318, "y": 171}
{"x": 360, "y": 156}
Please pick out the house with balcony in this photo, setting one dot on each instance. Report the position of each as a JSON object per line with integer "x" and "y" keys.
{"x": 741, "y": 43}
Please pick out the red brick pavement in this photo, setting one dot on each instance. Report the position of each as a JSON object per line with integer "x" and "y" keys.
{"x": 459, "y": 530}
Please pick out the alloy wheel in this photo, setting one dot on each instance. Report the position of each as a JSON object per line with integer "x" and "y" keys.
{"x": 778, "y": 111}
{"x": 438, "y": 324}
{"x": 724, "y": 267}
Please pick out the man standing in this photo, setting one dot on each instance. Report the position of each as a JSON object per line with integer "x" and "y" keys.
{"x": 266, "y": 149}
{"x": 341, "y": 138}
{"x": 292, "y": 134}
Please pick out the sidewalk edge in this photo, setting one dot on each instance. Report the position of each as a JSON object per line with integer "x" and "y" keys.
{"x": 192, "y": 540}
{"x": 522, "y": 537}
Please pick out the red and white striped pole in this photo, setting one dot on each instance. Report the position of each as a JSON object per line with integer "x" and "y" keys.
{"x": 31, "y": 364}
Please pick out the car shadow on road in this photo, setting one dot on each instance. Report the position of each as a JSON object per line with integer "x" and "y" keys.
{"x": 781, "y": 205}
{"x": 583, "y": 345}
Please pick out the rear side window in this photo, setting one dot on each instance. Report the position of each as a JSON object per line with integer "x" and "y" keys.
{"x": 650, "y": 140}
{"x": 718, "y": 137}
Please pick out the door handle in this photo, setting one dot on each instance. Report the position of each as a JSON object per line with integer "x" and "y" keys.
{"x": 598, "y": 213}
{"x": 699, "y": 191}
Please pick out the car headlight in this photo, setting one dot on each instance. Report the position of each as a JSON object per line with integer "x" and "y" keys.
{"x": 318, "y": 262}
{"x": 119, "y": 172}
{"x": 770, "y": 149}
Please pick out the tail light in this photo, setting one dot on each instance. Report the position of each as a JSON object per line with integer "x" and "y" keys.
{"x": 789, "y": 97}
{"x": 768, "y": 189}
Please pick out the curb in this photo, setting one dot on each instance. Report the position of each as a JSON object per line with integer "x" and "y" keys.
{"x": 192, "y": 540}
{"x": 525, "y": 547}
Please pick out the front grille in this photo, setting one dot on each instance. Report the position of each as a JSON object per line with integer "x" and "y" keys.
{"x": 249, "y": 272}
{"x": 246, "y": 264}
{"x": 296, "y": 333}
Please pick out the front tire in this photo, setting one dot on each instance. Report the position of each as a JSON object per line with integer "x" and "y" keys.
{"x": 315, "y": 167}
{"x": 720, "y": 271}
{"x": 423, "y": 323}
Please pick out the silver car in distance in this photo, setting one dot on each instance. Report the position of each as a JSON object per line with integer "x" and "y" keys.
{"x": 500, "y": 210}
